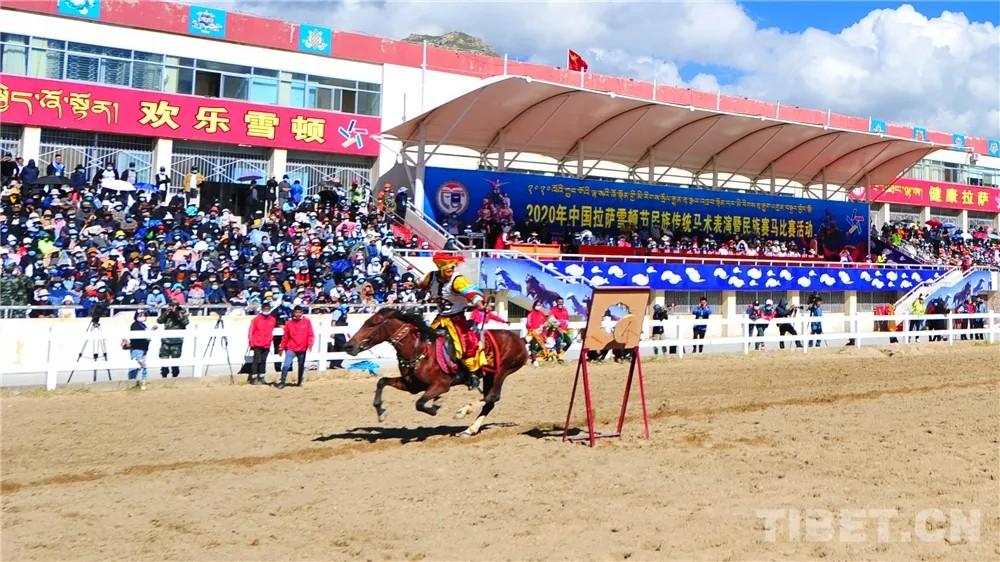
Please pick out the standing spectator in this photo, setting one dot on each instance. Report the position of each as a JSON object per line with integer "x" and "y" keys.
{"x": 267, "y": 194}
{"x": 8, "y": 168}
{"x": 173, "y": 317}
{"x": 659, "y": 315}
{"x": 295, "y": 342}
{"x": 753, "y": 313}
{"x": 816, "y": 328}
{"x": 782, "y": 311}
{"x": 56, "y": 168}
{"x": 296, "y": 193}
{"x": 766, "y": 315}
{"x": 261, "y": 330}
{"x": 402, "y": 197}
{"x": 137, "y": 349}
{"x": 980, "y": 323}
{"x": 131, "y": 175}
{"x": 29, "y": 174}
{"x": 338, "y": 319}
{"x": 918, "y": 310}
{"x": 162, "y": 186}
{"x": 284, "y": 191}
{"x": 701, "y": 312}
{"x": 191, "y": 185}
{"x": 108, "y": 172}
{"x": 78, "y": 179}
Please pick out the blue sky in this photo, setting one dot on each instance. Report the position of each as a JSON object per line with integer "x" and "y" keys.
{"x": 834, "y": 16}
{"x": 908, "y": 63}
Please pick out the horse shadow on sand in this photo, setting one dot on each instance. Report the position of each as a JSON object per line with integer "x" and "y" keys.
{"x": 375, "y": 434}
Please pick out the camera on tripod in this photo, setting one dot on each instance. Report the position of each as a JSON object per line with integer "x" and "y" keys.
{"x": 99, "y": 310}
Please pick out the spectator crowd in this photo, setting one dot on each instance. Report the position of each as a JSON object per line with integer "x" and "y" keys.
{"x": 943, "y": 243}
{"x": 78, "y": 245}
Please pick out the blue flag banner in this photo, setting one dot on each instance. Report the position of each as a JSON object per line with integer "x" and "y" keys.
{"x": 919, "y": 133}
{"x": 958, "y": 142}
{"x": 567, "y": 205}
{"x": 572, "y": 279}
{"x": 209, "y": 22}
{"x": 993, "y": 148}
{"x": 314, "y": 39}
{"x": 877, "y": 126}
{"x": 90, "y": 9}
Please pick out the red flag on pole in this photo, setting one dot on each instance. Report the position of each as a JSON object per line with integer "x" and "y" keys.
{"x": 576, "y": 62}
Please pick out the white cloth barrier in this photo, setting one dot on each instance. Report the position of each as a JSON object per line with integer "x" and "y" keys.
{"x": 69, "y": 349}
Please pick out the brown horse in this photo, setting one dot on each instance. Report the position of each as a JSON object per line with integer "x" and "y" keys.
{"x": 419, "y": 371}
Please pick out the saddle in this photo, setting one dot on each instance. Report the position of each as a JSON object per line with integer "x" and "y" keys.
{"x": 444, "y": 353}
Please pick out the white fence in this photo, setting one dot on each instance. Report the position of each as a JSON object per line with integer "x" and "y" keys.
{"x": 49, "y": 352}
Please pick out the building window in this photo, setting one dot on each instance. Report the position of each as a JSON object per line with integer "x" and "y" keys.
{"x": 116, "y": 72}
{"x": 147, "y": 76}
{"x": 235, "y": 87}
{"x": 83, "y": 68}
{"x": 46, "y": 64}
{"x": 207, "y": 83}
{"x": 264, "y": 90}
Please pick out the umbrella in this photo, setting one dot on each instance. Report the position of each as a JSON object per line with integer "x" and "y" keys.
{"x": 980, "y": 235}
{"x": 949, "y": 225}
{"x": 249, "y": 177}
{"x": 994, "y": 236}
{"x": 934, "y": 223}
{"x": 143, "y": 186}
{"x": 117, "y": 185}
{"x": 52, "y": 180}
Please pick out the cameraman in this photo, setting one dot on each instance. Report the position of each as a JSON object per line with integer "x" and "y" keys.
{"x": 783, "y": 311}
{"x": 173, "y": 317}
{"x": 815, "y": 310}
{"x": 661, "y": 313}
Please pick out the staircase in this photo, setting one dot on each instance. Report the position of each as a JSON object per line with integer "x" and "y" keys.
{"x": 929, "y": 286}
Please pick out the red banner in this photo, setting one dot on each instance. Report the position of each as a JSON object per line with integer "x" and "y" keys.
{"x": 922, "y": 193}
{"x": 73, "y": 105}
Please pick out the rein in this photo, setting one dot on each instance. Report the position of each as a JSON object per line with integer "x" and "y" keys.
{"x": 397, "y": 340}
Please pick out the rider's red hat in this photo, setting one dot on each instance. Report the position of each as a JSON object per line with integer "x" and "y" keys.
{"x": 442, "y": 259}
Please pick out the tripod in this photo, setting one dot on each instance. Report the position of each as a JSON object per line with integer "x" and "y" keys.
{"x": 224, "y": 342}
{"x": 98, "y": 346}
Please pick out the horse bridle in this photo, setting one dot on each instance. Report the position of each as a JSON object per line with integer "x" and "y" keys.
{"x": 397, "y": 338}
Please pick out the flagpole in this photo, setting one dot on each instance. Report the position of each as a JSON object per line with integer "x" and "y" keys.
{"x": 581, "y": 78}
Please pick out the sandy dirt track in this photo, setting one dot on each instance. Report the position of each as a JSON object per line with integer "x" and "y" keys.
{"x": 201, "y": 470}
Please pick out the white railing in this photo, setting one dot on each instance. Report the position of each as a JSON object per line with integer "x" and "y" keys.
{"x": 55, "y": 351}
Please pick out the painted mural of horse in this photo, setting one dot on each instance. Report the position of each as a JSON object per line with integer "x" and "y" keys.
{"x": 507, "y": 281}
{"x": 538, "y": 292}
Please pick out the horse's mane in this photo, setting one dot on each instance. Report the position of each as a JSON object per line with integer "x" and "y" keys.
{"x": 410, "y": 318}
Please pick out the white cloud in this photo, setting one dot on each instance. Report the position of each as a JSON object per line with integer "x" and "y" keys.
{"x": 896, "y": 64}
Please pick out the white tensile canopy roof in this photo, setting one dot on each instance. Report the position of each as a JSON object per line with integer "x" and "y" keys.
{"x": 517, "y": 115}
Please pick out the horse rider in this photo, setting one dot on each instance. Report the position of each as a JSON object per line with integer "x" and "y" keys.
{"x": 453, "y": 294}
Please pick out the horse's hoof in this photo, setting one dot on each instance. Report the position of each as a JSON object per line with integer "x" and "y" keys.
{"x": 460, "y": 414}
{"x": 382, "y": 416}
{"x": 466, "y": 434}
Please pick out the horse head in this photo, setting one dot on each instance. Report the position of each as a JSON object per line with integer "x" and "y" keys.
{"x": 388, "y": 324}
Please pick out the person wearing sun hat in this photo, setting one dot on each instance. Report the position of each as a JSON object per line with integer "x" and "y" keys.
{"x": 453, "y": 293}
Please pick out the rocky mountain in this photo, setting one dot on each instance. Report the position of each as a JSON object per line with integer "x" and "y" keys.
{"x": 455, "y": 40}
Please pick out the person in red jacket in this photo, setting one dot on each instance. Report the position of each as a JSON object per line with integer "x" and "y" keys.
{"x": 563, "y": 339}
{"x": 261, "y": 328}
{"x": 295, "y": 342}
{"x": 535, "y": 325}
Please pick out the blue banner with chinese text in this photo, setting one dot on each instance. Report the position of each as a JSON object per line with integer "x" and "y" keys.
{"x": 564, "y": 205}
